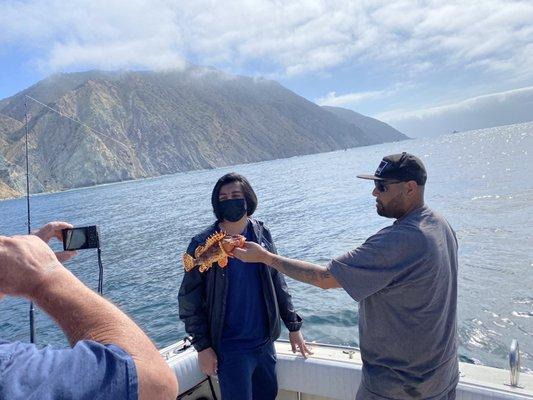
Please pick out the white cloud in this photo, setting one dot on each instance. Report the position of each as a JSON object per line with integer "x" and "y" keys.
{"x": 156, "y": 54}
{"x": 495, "y": 109}
{"x": 296, "y": 37}
{"x": 87, "y": 34}
{"x": 331, "y": 99}
{"x": 351, "y": 99}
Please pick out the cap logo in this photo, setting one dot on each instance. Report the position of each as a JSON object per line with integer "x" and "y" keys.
{"x": 381, "y": 167}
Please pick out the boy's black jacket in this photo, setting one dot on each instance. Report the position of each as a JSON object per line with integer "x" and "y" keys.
{"x": 202, "y": 296}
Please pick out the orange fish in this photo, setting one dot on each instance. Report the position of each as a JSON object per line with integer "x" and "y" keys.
{"x": 216, "y": 249}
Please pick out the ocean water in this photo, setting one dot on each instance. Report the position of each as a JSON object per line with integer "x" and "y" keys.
{"x": 481, "y": 181}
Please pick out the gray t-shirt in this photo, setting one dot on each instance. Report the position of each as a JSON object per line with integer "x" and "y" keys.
{"x": 405, "y": 280}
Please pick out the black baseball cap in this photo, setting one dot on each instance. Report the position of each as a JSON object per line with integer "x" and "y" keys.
{"x": 399, "y": 167}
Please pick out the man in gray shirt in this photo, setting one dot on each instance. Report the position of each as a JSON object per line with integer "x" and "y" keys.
{"x": 405, "y": 280}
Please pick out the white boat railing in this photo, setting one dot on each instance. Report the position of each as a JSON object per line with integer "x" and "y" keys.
{"x": 334, "y": 372}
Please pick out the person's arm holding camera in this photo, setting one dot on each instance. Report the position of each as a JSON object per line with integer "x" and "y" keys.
{"x": 30, "y": 269}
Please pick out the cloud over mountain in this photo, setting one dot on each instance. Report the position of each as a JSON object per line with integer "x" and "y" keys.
{"x": 276, "y": 37}
{"x": 496, "y": 109}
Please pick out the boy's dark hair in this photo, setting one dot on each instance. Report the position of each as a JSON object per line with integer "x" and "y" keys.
{"x": 249, "y": 194}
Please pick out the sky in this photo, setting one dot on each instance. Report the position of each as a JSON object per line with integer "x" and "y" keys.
{"x": 425, "y": 67}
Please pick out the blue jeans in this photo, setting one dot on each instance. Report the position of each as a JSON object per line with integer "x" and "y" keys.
{"x": 248, "y": 375}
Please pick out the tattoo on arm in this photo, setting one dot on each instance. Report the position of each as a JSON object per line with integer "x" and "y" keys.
{"x": 303, "y": 271}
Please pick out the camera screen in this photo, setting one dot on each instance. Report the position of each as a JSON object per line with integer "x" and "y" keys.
{"x": 75, "y": 239}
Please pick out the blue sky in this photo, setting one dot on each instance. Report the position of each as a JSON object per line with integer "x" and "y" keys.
{"x": 401, "y": 61}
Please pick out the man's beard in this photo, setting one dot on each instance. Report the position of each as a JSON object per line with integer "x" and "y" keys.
{"x": 393, "y": 209}
{"x": 382, "y": 211}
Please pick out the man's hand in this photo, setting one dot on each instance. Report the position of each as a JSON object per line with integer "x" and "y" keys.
{"x": 252, "y": 252}
{"x": 298, "y": 343}
{"x": 54, "y": 230}
{"x": 51, "y": 230}
{"x": 25, "y": 262}
{"x": 46, "y": 233}
{"x": 208, "y": 361}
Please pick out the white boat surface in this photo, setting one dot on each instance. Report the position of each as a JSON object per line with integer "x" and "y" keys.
{"x": 334, "y": 372}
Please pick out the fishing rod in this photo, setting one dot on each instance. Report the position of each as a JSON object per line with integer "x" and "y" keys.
{"x": 77, "y": 121}
{"x": 90, "y": 233}
{"x": 32, "y": 307}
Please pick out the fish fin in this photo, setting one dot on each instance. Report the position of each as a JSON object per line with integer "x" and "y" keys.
{"x": 188, "y": 262}
{"x": 223, "y": 262}
{"x": 203, "y": 268}
{"x": 214, "y": 238}
{"x": 199, "y": 250}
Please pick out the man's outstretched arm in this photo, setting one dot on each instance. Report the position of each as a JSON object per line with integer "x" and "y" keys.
{"x": 30, "y": 269}
{"x": 302, "y": 271}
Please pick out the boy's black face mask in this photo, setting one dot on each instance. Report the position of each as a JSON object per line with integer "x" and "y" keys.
{"x": 232, "y": 210}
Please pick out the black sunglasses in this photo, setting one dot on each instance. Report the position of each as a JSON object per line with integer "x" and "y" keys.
{"x": 381, "y": 186}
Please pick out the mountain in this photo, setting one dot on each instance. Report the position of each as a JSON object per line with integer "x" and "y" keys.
{"x": 141, "y": 124}
{"x": 371, "y": 126}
